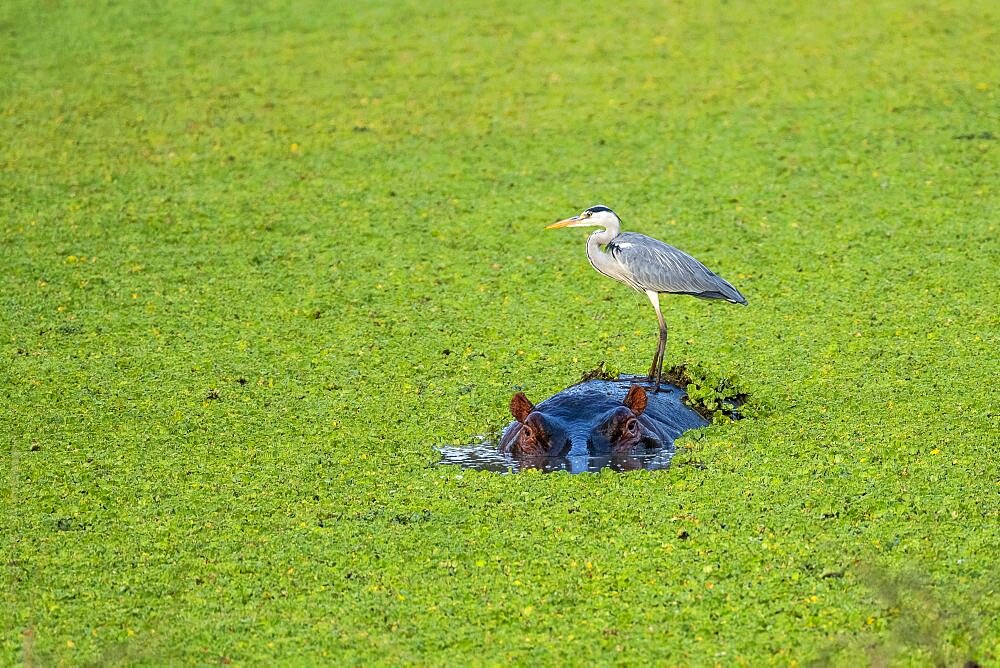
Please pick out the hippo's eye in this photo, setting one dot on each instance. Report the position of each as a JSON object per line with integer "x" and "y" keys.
{"x": 526, "y": 431}
{"x": 632, "y": 427}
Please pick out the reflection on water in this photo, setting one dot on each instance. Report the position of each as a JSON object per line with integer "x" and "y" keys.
{"x": 484, "y": 457}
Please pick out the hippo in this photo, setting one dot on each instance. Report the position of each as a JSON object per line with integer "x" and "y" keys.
{"x": 598, "y": 423}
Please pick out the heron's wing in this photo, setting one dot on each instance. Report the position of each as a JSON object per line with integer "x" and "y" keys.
{"x": 654, "y": 265}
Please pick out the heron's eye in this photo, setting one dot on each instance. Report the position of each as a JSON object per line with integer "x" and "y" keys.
{"x": 588, "y": 214}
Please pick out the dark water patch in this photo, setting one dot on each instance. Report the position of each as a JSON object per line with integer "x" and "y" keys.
{"x": 988, "y": 136}
{"x": 713, "y": 397}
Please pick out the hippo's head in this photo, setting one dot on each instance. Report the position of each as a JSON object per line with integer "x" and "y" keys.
{"x": 534, "y": 434}
{"x": 619, "y": 430}
{"x": 573, "y": 421}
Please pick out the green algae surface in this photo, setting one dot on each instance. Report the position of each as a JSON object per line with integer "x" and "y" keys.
{"x": 259, "y": 260}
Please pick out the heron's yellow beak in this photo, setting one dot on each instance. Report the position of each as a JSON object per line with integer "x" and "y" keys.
{"x": 569, "y": 222}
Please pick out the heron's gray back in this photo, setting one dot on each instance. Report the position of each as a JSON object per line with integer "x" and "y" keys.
{"x": 645, "y": 263}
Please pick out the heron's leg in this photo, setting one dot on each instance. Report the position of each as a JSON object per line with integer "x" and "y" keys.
{"x": 656, "y": 359}
{"x": 663, "y": 353}
{"x": 654, "y": 300}
{"x": 661, "y": 346}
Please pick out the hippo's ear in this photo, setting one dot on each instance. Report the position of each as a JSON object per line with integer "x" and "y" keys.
{"x": 520, "y": 406}
{"x": 636, "y": 399}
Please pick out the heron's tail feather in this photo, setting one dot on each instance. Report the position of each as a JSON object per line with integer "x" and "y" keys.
{"x": 729, "y": 293}
{"x": 712, "y": 294}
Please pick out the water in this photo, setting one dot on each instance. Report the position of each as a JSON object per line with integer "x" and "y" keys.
{"x": 484, "y": 457}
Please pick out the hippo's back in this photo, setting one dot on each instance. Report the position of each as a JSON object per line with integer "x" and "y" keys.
{"x": 579, "y": 407}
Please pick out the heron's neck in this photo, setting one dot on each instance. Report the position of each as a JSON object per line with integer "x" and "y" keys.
{"x": 601, "y": 238}
{"x": 598, "y": 258}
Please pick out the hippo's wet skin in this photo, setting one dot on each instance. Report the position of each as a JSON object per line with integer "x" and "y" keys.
{"x": 597, "y": 423}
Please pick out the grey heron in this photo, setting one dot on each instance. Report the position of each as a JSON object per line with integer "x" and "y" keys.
{"x": 647, "y": 265}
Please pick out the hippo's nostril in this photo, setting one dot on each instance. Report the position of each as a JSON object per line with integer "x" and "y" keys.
{"x": 650, "y": 442}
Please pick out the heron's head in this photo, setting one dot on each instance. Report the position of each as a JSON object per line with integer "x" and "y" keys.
{"x": 596, "y": 216}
